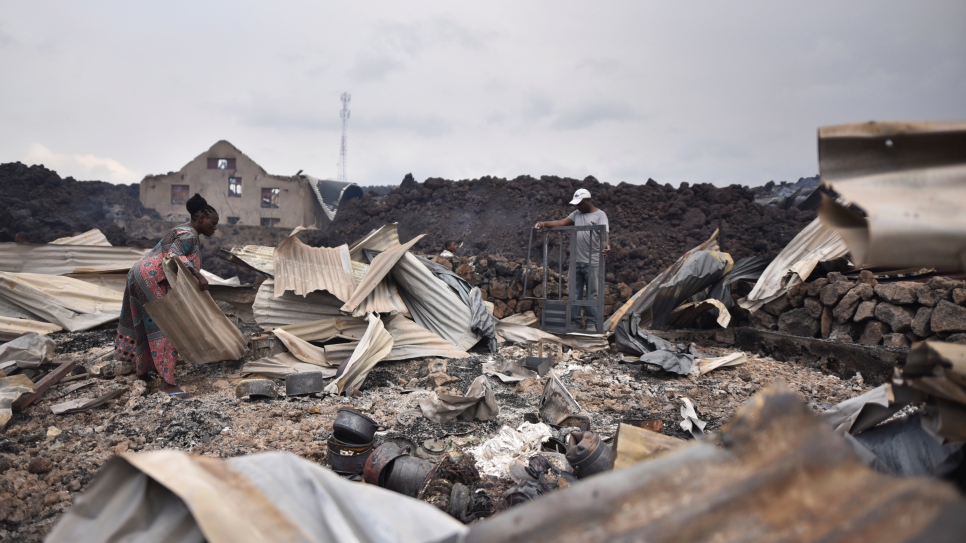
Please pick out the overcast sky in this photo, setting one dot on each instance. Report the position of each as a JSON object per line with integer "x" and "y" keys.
{"x": 720, "y": 92}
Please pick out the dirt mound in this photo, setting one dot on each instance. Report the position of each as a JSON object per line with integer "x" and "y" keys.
{"x": 651, "y": 224}
{"x": 44, "y": 207}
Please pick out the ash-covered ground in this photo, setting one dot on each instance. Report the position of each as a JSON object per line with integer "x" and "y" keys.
{"x": 47, "y": 460}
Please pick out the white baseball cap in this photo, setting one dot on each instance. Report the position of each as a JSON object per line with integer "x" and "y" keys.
{"x": 580, "y": 195}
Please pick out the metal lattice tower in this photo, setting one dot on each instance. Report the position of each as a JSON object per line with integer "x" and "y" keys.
{"x": 344, "y": 151}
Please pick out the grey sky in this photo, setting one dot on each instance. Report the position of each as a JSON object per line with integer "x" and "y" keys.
{"x": 721, "y": 92}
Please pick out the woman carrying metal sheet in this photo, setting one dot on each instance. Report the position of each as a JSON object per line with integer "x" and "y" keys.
{"x": 139, "y": 340}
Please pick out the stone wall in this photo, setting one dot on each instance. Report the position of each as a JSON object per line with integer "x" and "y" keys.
{"x": 893, "y": 314}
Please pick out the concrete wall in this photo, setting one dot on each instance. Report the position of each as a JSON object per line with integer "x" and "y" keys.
{"x": 296, "y": 202}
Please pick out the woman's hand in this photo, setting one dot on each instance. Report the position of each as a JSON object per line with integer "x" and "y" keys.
{"x": 202, "y": 282}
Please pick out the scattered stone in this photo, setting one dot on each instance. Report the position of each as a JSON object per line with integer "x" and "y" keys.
{"x": 842, "y": 332}
{"x": 39, "y": 464}
{"x": 761, "y": 319}
{"x": 777, "y": 306}
{"x": 959, "y": 296}
{"x": 866, "y": 277}
{"x": 930, "y": 297}
{"x": 814, "y": 307}
{"x": 52, "y": 433}
{"x": 815, "y": 287}
{"x": 833, "y": 292}
{"x": 5, "y": 464}
{"x": 798, "y": 322}
{"x": 945, "y": 283}
{"x": 826, "y": 322}
{"x": 221, "y": 383}
{"x": 865, "y": 311}
{"x": 898, "y": 318}
{"x": 846, "y": 307}
{"x": 895, "y": 340}
{"x": 902, "y": 292}
{"x": 920, "y": 324}
{"x": 957, "y": 338}
{"x": 872, "y": 335}
{"x": 529, "y": 386}
{"x": 948, "y": 317}
{"x": 835, "y": 277}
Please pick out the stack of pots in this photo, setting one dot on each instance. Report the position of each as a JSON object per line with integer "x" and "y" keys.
{"x": 351, "y": 442}
{"x": 391, "y": 467}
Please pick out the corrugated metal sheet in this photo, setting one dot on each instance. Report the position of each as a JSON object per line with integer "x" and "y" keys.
{"x": 433, "y": 304}
{"x": 271, "y": 312}
{"x": 323, "y": 330}
{"x": 11, "y": 328}
{"x": 378, "y": 270}
{"x": 63, "y": 259}
{"x": 910, "y": 181}
{"x": 780, "y": 475}
{"x": 214, "y": 280}
{"x": 256, "y": 257}
{"x": 282, "y": 364}
{"x": 303, "y": 350}
{"x": 191, "y": 320}
{"x": 303, "y": 269}
{"x": 72, "y": 304}
{"x": 815, "y": 243}
{"x": 411, "y": 340}
{"x": 384, "y": 299}
{"x": 331, "y": 193}
{"x": 372, "y": 348}
{"x": 112, "y": 281}
{"x": 91, "y": 237}
{"x": 644, "y": 298}
{"x": 337, "y": 353}
{"x": 380, "y": 239}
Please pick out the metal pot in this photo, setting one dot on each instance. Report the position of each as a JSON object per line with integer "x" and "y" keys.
{"x": 407, "y": 474}
{"x": 353, "y": 427}
{"x": 588, "y": 454}
{"x": 374, "y": 472}
{"x": 347, "y": 457}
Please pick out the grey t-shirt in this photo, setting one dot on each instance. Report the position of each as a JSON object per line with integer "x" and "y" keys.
{"x": 586, "y": 252}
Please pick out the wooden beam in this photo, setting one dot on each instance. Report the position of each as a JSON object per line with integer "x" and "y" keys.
{"x": 44, "y": 385}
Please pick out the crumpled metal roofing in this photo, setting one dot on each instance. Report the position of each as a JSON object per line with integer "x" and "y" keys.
{"x": 282, "y": 364}
{"x": 815, "y": 243}
{"x": 372, "y": 348}
{"x": 328, "y": 328}
{"x": 304, "y": 269}
{"x": 70, "y": 303}
{"x": 331, "y": 193}
{"x": 63, "y": 259}
{"x": 909, "y": 179}
{"x": 91, "y": 237}
{"x": 433, "y": 304}
{"x": 411, "y": 340}
{"x": 192, "y": 321}
{"x": 781, "y": 474}
{"x": 382, "y": 238}
{"x": 378, "y": 270}
{"x": 301, "y": 349}
{"x": 256, "y": 257}
{"x": 384, "y": 299}
{"x": 271, "y": 312}
{"x": 11, "y": 328}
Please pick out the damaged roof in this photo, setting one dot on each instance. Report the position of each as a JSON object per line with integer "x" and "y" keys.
{"x": 331, "y": 193}
{"x": 304, "y": 269}
{"x": 63, "y": 259}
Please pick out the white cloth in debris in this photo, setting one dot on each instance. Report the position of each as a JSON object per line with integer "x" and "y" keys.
{"x": 29, "y": 350}
{"x": 494, "y": 455}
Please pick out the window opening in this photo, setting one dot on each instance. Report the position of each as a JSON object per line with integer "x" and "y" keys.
{"x": 270, "y": 198}
{"x": 234, "y": 187}
{"x": 270, "y": 221}
{"x": 179, "y": 194}
{"x": 232, "y": 220}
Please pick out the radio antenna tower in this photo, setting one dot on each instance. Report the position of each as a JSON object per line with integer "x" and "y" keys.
{"x": 344, "y": 151}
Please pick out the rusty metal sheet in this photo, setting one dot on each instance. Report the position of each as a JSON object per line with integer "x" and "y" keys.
{"x": 380, "y": 239}
{"x": 378, "y": 270}
{"x": 69, "y": 303}
{"x": 411, "y": 340}
{"x": 12, "y": 328}
{"x": 304, "y": 269}
{"x": 63, "y": 259}
{"x": 372, "y": 348}
{"x": 909, "y": 179}
{"x": 781, "y": 474}
{"x": 271, "y": 312}
{"x": 191, "y": 320}
{"x": 90, "y": 238}
{"x": 433, "y": 304}
{"x": 794, "y": 264}
{"x": 301, "y": 349}
{"x": 384, "y": 299}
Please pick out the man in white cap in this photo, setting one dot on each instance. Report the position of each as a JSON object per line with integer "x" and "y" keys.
{"x": 588, "y": 247}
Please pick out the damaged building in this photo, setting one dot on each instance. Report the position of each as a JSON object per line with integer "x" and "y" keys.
{"x": 245, "y": 193}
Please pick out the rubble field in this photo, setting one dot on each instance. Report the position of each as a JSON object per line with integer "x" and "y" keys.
{"x": 46, "y": 460}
